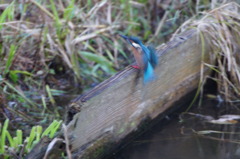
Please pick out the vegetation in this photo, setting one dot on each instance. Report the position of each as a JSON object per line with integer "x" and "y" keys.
{"x": 51, "y": 48}
{"x": 16, "y": 146}
{"x": 222, "y": 27}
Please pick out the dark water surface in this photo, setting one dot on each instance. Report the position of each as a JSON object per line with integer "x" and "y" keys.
{"x": 177, "y": 140}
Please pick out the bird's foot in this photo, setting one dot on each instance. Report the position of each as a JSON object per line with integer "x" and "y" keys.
{"x": 135, "y": 66}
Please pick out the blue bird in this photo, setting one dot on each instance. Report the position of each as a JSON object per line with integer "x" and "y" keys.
{"x": 145, "y": 57}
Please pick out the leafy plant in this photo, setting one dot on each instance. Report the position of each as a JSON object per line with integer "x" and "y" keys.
{"x": 7, "y": 14}
{"x": 12, "y": 52}
{"x": 16, "y": 144}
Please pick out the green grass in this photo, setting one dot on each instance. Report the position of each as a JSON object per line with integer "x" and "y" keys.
{"x": 12, "y": 52}
{"x": 20, "y": 143}
{"x": 8, "y": 14}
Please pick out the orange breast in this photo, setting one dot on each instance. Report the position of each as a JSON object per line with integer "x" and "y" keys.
{"x": 138, "y": 57}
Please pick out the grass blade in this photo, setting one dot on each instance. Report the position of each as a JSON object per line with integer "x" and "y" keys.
{"x": 8, "y": 13}
{"x": 3, "y": 136}
{"x": 12, "y": 52}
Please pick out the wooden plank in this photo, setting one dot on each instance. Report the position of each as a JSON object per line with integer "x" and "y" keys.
{"x": 115, "y": 108}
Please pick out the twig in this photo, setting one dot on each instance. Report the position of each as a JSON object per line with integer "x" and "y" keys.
{"x": 43, "y": 9}
{"x": 92, "y": 35}
{"x": 161, "y": 23}
{"x": 4, "y": 6}
{"x": 51, "y": 146}
{"x": 66, "y": 141}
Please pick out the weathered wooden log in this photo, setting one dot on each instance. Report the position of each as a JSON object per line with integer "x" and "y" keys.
{"x": 116, "y": 107}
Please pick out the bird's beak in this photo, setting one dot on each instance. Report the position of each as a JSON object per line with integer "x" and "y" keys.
{"x": 124, "y": 37}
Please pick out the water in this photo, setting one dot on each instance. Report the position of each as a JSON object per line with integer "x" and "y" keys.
{"x": 178, "y": 140}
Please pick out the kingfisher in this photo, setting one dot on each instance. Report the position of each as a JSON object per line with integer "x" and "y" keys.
{"x": 145, "y": 57}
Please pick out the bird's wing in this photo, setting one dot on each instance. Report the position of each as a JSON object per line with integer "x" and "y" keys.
{"x": 145, "y": 56}
{"x": 152, "y": 56}
{"x": 145, "y": 61}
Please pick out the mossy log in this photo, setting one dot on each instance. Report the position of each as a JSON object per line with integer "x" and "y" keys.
{"x": 116, "y": 107}
{"x": 98, "y": 120}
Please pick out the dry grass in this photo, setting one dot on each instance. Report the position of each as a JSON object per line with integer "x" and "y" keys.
{"x": 222, "y": 26}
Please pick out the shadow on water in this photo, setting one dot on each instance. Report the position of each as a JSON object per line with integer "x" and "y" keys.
{"x": 179, "y": 140}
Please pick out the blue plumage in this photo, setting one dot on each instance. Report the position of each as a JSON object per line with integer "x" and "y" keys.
{"x": 145, "y": 57}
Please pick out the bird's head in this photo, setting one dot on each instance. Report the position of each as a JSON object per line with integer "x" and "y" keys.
{"x": 134, "y": 41}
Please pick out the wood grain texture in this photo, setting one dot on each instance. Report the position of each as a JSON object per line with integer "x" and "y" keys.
{"x": 116, "y": 107}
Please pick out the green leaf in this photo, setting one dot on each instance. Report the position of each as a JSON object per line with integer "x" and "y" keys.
{"x": 96, "y": 58}
{"x": 20, "y": 93}
{"x": 50, "y": 95}
{"x": 55, "y": 128}
{"x": 31, "y": 138}
{"x": 38, "y": 133}
{"x": 15, "y": 143}
{"x": 13, "y": 74}
{"x": 7, "y": 13}
{"x": 51, "y": 129}
{"x": 56, "y": 92}
{"x": 58, "y": 23}
{"x": 103, "y": 62}
{"x": 19, "y": 136}
{"x": 68, "y": 12}
{"x": 12, "y": 52}
{"x": 10, "y": 139}
{"x": 3, "y": 136}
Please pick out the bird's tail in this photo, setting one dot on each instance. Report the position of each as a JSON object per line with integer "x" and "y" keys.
{"x": 148, "y": 73}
